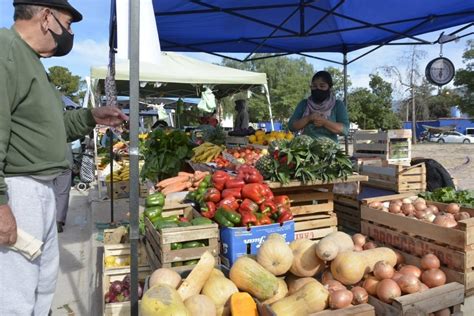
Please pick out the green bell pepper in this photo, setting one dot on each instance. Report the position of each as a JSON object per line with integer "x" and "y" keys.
{"x": 201, "y": 221}
{"x": 232, "y": 216}
{"x": 155, "y": 199}
{"x": 153, "y": 212}
{"x": 221, "y": 219}
{"x": 166, "y": 222}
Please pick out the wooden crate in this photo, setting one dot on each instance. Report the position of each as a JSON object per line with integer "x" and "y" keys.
{"x": 450, "y": 295}
{"x": 392, "y": 145}
{"x": 396, "y": 177}
{"x": 121, "y": 190}
{"x": 358, "y": 310}
{"x": 158, "y": 243}
{"x": 236, "y": 141}
{"x": 123, "y": 251}
{"x": 119, "y": 308}
{"x": 453, "y": 246}
{"x": 347, "y": 209}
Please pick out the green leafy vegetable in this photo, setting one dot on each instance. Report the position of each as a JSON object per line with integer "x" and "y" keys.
{"x": 450, "y": 195}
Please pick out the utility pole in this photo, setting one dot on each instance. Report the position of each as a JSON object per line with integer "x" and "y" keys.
{"x": 413, "y": 109}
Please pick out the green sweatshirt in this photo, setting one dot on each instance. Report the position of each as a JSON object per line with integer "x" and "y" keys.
{"x": 338, "y": 114}
{"x": 34, "y": 128}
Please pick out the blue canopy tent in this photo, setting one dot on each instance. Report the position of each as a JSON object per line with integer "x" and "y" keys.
{"x": 281, "y": 27}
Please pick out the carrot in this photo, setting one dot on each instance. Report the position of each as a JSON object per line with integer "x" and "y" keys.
{"x": 181, "y": 173}
{"x": 169, "y": 181}
{"x": 200, "y": 176}
{"x": 196, "y": 183}
{"x": 191, "y": 189}
{"x": 174, "y": 188}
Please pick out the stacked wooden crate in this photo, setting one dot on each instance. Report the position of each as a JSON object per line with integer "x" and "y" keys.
{"x": 414, "y": 238}
{"x": 393, "y": 146}
{"x": 395, "y": 178}
{"x": 347, "y": 210}
{"x": 159, "y": 242}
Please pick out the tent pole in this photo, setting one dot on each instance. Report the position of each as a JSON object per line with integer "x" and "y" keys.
{"x": 134, "y": 51}
{"x": 346, "y": 140}
{"x": 267, "y": 93}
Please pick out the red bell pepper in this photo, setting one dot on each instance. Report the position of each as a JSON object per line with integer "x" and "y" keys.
{"x": 248, "y": 206}
{"x": 249, "y": 174}
{"x": 212, "y": 195}
{"x": 219, "y": 178}
{"x": 282, "y": 200}
{"x": 209, "y": 210}
{"x": 267, "y": 192}
{"x": 268, "y": 207}
{"x": 248, "y": 219}
{"x": 235, "y": 192}
{"x": 254, "y": 192}
{"x": 234, "y": 184}
{"x": 285, "y": 216}
{"x": 184, "y": 219}
{"x": 263, "y": 219}
{"x": 229, "y": 203}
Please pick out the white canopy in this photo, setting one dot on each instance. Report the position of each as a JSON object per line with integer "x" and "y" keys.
{"x": 183, "y": 76}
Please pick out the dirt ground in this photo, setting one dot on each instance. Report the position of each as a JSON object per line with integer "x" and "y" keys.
{"x": 458, "y": 159}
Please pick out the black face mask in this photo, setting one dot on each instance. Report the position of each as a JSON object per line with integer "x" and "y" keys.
{"x": 64, "y": 41}
{"x": 319, "y": 96}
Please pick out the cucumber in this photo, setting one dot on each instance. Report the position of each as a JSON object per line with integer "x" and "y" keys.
{"x": 201, "y": 221}
{"x": 193, "y": 244}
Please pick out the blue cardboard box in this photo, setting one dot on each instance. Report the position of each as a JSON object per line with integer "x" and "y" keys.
{"x": 239, "y": 241}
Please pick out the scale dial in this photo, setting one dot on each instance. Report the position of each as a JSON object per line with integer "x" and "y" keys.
{"x": 440, "y": 71}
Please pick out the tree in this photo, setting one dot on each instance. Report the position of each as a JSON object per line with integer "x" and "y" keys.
{"x": 382, "y": 89}
{"x": 465, "y": 79}
{"x": 65, "y": 82}
{"x": 338, "y": 81}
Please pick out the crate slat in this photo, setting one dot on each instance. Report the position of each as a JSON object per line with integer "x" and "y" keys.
{"x": 315, "y": 234}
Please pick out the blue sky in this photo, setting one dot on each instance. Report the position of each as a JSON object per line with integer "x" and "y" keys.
{"x": 91, "y": 36}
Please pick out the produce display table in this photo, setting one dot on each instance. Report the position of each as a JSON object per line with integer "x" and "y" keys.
{"x": 312, "y": 205}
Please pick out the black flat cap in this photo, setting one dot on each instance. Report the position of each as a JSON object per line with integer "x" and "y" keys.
{"x": 60, "y": 4}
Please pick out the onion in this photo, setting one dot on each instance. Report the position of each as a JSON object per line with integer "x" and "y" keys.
{"x": 387, "y": 290}
{"x": 410, "y": 269}
{"x": 429, "y": 261}
{"x": 398, "y": 202}
{"x": 359, "y": 239}
{"x": 382, "y": 270}
{"x": 443, "y": 312}
{"x": 377, "y": 205}
{"x": 409, "y": 284}
{"x": 360, "y": 295}
{"x": 420, "y": 200}
{"x": 327, "y": 275}
{"x": 423, "y": 287}
{"x": 433, "y": 277}
{"x": 408, "y": 209}
{"x": 420, "y": 206}
{"x": 413, "y": 198}
{"x": 396, "y": 276}
{"x": 400, "y": 258}
{"x": 407, "y": 201}
{"x": 370, "y": 245}
{"x": 370, "y": 285}
{"x": 420, "y": 214}
{"x": 430, "y": 217}
{"x": 386, "y": 204}
{"x": 340, "y": 299}
{"x": 462, "y": 216}
{"x": 394, "y": 208}
{"x": 384, "y": 209}
{"x": 333, "y": 285}
{"x": 434, "y": 209}
{"x": 358, "y": 248}
{"x": 445, "y": 220}
{"x": 452, "y": 208}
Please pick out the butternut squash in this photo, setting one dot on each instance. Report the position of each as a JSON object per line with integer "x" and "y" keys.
{"x": 199, "y": 305}
{"x": 250, "y": 276}
{"x": 219, "y": 289}
{"x": 305, "y": 262}
{"x": 349, "y": 267}
{"x": 311, "y": 298}
{"x": 275, "y": 255}
{"x": 282, "y": 291}
{"x": 328, "y": 247}
{"x": 193, "y": 284}
{"x": 242, "y": 304}
{"x": 165, "y": 276}
{"x": 162, "y": 299}
{"x": 295, "y": 283}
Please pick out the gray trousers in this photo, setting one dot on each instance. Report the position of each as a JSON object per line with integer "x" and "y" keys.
{"x": 62, "y": 187}
{"x": 27, "y": 288}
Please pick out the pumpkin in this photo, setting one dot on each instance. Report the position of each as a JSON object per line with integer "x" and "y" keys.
{"x": 311, "y": 298}
{"x": 163, "y": 300}
{"x": 282, "y": 291}
{"x": 193, "y": 284}
{"x": 200, "y": 305}
{"x": 242, "y": 304}
{"x": 328, "y": 247}
{"x": 275, "y": 255}
{"x": 217, "y": 272}
{"x": 349, "y": 267}
{"x": 305, "y": 262}
{"x": 219, "y": 289}
{"x": 295, "y": 283}
{"x": 250, "y": 276}
{"x": 165, "y": 276}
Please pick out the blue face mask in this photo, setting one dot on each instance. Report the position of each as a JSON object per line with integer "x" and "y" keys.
{"x": 319, "y": 96}
{"x": 64, "y": 41}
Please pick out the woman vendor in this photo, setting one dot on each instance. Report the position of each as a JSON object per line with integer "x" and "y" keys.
{"x": 320, "y": 114}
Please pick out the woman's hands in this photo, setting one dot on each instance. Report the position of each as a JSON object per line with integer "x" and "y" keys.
{"x": 318, "y": 120}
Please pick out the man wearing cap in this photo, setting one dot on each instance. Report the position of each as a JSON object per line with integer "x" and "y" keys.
{"x": 34, "y": 131}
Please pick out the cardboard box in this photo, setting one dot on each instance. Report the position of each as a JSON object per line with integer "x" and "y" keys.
{"x": 239, "y": 241}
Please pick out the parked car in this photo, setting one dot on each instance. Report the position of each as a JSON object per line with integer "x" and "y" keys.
{"x": 452, "y": 137}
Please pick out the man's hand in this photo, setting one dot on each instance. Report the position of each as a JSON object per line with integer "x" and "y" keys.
{"x": 108, "y": 115}
{"x": 7, "y": 226}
